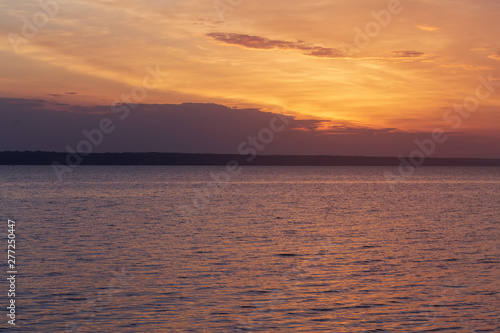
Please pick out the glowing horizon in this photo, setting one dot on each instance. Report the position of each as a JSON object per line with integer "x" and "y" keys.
{"x": 378, "y": 64}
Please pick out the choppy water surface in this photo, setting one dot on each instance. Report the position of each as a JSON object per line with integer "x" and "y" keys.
{"x": 280, "y": 249}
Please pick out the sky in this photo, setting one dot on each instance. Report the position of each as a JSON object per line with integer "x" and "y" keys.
{"x": 355, "y": 77}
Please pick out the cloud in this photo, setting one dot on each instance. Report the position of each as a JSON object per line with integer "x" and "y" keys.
{"x": 328, "y": 127}
{"x": 323, "y": 52}
{"x": 468, "y": 67}
{"x": 66, "y": 93}
{"x": 209, "y": 128}
{"x": 495, "y": 56}
{"x": 425, "y": 27}
{"x": 408, "y": 54}
{"x": 20, "y": 103}
{"x": 258, "y": 42}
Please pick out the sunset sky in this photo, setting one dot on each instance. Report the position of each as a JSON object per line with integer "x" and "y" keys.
{"x": 386, "y": 67}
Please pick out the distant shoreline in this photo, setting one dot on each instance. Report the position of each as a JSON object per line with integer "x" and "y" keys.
{"x": 47, "y": 158}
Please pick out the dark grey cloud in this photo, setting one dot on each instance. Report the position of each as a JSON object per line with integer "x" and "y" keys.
{"x": 258, "y": 42}
{"x": 323, "y": 127}
{"x": 408, "y": 54}
{"x": 20, "y": 103}
{"x": 209, "y": 128}
{"x": 66, "y": 93}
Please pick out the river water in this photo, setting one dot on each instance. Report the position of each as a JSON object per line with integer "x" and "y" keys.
{"x": 276, "y": 249}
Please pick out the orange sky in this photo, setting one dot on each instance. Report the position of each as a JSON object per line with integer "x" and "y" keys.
{"x": 422, "y": 58}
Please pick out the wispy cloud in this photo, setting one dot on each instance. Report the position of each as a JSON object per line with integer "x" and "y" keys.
{"x": 425, "y": 27}
{"x": 468, "y": 67}
{"x": 59, "y": 95}
{"x": 258, "y": 42}
{"x": 495, "y": 56}
{"x": 408, "y": 54}
{"x": 325, "y": 126}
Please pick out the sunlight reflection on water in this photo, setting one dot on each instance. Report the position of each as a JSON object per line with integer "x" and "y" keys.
{"x": 282, "y": 249}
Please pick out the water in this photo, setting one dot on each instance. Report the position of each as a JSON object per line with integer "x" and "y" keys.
{"x": 280, "y": 249}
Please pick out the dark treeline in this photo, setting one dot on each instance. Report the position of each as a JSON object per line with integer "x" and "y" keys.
{"x": 47, "y": 158}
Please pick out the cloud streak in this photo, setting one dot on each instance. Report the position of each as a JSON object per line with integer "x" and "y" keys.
{"x": 258, "y": 42}
{"x": 468, "y": 67}
{"x": 408, "y": 54}
{"x": 425, "y": 27}
{"x": 495, "y": 56}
